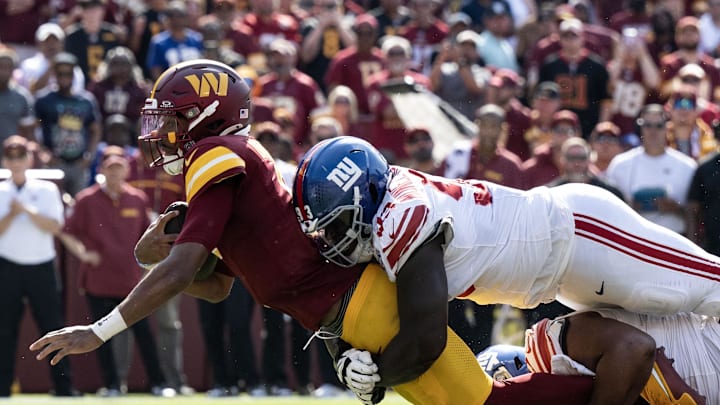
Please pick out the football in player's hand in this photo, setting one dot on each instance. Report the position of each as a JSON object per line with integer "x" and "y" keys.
{"x": 175, "y": 226}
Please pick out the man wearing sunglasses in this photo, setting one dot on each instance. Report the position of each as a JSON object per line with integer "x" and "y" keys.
{"x": 687, "y": 132}
{"x": 654, "y": 177}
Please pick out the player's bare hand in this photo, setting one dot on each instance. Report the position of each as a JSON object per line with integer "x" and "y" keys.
{"x": 154, "y": 245}
{"x": 65, "y": 341}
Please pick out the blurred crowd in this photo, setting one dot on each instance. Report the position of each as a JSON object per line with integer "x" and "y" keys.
{"x": 620, "y": 94}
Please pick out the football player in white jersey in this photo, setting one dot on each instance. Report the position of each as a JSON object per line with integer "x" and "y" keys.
{"x": 493, "y": 244}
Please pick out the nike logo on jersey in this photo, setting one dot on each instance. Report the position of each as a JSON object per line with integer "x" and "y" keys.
{"x": 345, "y": 174}
{"x": 601, "y": 291}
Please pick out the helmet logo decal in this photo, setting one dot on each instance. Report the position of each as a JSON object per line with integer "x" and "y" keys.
{"x": 345, "y": 174}
{"x": 167, "y": 104}
{"x": 203, "y": 85}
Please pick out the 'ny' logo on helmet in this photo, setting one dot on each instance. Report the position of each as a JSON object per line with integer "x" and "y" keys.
{"x": 215, "y": 82}
{"x": 345, "y": 174}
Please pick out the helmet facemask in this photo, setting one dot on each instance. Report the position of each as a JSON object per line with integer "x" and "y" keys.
{"x": 164, "y": 140}
{"x": 343, "y": 237}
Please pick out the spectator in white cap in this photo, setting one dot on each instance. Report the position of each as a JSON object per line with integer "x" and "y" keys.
{"x": 693, "y": 76}
{"x": 35, "y": 73}
{"x": 458, "y": 22}
{"x": 457, "y": 75}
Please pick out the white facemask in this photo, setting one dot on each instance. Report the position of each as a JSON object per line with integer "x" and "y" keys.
{"x": 172, "y": 168}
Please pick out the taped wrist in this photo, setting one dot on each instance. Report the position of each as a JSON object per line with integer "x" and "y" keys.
{"x": 109, "y": 325}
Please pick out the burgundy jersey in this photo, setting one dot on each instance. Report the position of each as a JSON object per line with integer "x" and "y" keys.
{"x": 518, "y": 119}
{"x": 629, "y": 97}
{"x": 110, "y": 227}
{"x": 279, "y": 26}
{"x": 540, "y": 169}
{"x": 626, "y": 18}
{"x": 123, "y": 100}
{"x": 19, "y": 28}
{"x": 242, "y": 40}
{"x": 425, "y": 42}
{"x": 503, "y": 168}
{"x": 353, "y": 70}
{"x": 299, "y": 95}
{"x": 239, "y": 204}
{"x": 671, "y": 64}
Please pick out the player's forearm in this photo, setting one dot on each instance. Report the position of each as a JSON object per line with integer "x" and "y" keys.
{"x": 404, "y": 360}
{"x": 154, "y": 290}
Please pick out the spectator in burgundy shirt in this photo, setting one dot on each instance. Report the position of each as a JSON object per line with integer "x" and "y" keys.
{"x": 633, "y": 75}
{"x": 425, "y": 32}
{"x": 290, "y": 88}
{"x": 485, "y": 158}
{"x": 19, "y": 20}
{"x": 266, "y": 24}
{"x": 687, "y": 38}
{"x": 504, "y": 89}
{"x": 353, "y": 66}
{"x": 545, "y": 165}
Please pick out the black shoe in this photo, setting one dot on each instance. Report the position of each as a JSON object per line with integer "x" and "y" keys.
{"x": 66, "y": 393}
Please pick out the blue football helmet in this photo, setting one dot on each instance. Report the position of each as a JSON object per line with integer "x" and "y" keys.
{"x": 338, "y": 188}
{"x": 503, "y": 361}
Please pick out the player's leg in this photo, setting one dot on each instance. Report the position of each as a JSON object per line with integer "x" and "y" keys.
{"x": 621, "y": 259}
{"x": 621, "y": 355}
{"x": 371, "y": 321}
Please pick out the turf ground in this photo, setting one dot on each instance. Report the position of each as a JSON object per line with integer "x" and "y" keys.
{"x": 198, "y": 399}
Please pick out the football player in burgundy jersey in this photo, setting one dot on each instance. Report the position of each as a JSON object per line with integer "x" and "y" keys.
{"x": 196, "y": 123}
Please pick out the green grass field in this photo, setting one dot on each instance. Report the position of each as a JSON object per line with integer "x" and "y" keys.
{"x": 198, "y": 399}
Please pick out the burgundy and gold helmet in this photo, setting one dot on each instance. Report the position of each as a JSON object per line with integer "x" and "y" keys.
{"x": 211, "y": 96}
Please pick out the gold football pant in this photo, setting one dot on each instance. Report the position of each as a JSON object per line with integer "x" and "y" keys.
{"x": 371, "y": 321}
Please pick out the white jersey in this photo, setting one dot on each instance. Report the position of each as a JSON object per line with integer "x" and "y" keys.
{"x": 577, "y": 243}
{"x": 501, "y": 244}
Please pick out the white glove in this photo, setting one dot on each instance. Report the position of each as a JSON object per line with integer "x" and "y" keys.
{"x": 357, "y": 371}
